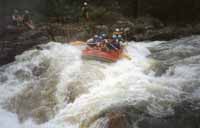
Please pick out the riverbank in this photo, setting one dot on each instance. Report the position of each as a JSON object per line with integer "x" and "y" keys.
{"x": 140, "y": 29}
{"x": 13, "y": 42}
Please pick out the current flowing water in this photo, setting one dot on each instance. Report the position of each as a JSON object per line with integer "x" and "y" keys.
{"x": 54, "y": 86}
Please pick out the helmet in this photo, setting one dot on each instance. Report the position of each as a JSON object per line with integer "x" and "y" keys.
{"x": 103, "y": 35}
{"x": 114, "y": 36}
{"x": 117, "y": 29}
{"x": 100, "y": 37}
{"x": 95, "y": 36}
{"x": 85, "y": 3}
{"x": 27, "y": 11}
{"x": 119, "y": 36}
{"x": 126, "y": 29}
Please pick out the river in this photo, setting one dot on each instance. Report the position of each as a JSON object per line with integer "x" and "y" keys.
{"x": 52, "y": 87}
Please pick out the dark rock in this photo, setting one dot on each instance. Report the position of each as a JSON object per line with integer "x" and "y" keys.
{"x": 145, "y": 29}
{"x": 117, "y": 120}
{"x": 15, "y": 43}
{"x": 102, "y": 28}
{"x": 41, "y": 114}
{"x": 186, "y": 115}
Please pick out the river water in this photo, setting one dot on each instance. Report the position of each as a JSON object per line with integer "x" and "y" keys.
{"x": 52, "y": 87}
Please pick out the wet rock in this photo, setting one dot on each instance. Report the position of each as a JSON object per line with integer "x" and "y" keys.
{"x": 150, "y": 28}
{"x": 68, "y": 32}
{"x": 102, "y": 28}
{"x": 1, "y": 31}
{"x": 186, "y": 115}
{"x": 139, "y": 29}
{"x": 15, "y": 44}
{"x": 15, "y": 40}
{"x": 149, "y": 22}
{"x": 41, "y": 114}
{"x": 116, "y": 117}
{"x": 117, "y": 120}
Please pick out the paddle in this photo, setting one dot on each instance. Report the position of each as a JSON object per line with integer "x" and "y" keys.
{"x": 77, "y": 43}
{"x": 126, "y": 56}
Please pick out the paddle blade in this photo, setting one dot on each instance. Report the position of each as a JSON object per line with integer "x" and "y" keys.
{"x": 126, "y": 56}
{"x": 77, "y": 43}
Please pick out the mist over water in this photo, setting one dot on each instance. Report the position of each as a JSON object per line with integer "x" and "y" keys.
{"x": 53, "y": 87}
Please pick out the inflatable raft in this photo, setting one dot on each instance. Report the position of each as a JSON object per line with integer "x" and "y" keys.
{"x": 106, "y": 56}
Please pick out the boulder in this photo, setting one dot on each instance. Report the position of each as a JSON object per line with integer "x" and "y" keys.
{"x": 117, "y": 120}
{"x": 13, "y": 44}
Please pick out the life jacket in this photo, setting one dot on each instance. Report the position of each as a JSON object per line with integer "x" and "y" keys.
{"x": 98, "y": 39}
{"x": 113, "y": 45}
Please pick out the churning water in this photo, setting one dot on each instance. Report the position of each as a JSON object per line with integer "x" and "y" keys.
{"x": 52, "y": 87}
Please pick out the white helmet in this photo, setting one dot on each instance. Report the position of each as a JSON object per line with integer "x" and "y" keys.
{"x": 119, "y": 36}
{"x": 103, "y": 35}
{"x": 85, "y": 3}
{"x": 117, "y": 29}
{"x": 27, "y": 11}
{"x": 114, "y": 36}
{"x": 96, "y": 36}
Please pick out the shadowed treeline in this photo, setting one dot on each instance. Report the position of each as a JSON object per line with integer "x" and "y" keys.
{"x": 7, "y": 6}
{"x": 165, "y": 10}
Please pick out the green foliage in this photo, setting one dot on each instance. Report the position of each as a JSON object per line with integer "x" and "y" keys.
{"x": 101, "y": 15}
{"x": 55, "y": 7}
{"x": 97, "y": 12}
{"x": 68, "y": 10}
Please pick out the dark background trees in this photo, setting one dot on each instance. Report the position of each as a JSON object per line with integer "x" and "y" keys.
{"x": 174, "y": 10}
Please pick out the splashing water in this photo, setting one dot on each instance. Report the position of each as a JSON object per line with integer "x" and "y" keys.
{"x": 82, "y": 89}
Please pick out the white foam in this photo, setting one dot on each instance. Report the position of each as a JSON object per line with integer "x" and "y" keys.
{"x": 104, "y": 85}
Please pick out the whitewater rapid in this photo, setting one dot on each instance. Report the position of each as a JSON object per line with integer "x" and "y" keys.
{"x": 81, "y": 90}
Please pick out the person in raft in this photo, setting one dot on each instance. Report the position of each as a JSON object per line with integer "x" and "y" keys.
{"x": 119, "y": 34}
{"x": 117, "y": 40}
{"x": 102, "y": 42}
{"x": 94, "y": 42}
